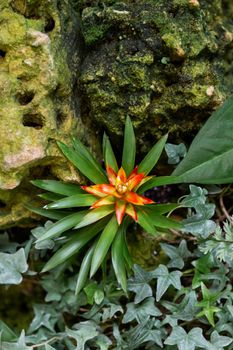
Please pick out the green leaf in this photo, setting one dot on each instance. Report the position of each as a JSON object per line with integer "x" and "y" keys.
{"x": 140, "y": 312}
{"x": 20, "y": 345}
{"x": 176, "y": 254}
{"x": 164, "y": 222}
{"x": 80, "y": 148}
{"x": 210, "y": 156}
{"x": 175, "y": 152}
{"x": 50, "y": 214}
{"x": 165, "y": 279}
{"x": 139, "y": 283}
{"x": 118, "y": 259}
{"x": 219, "y": 342}
{"x": 194, "y": 339}
{"x": 83, "y": 164}
{"x": 145, "y": 221}
{"x": 78, "y": 200}
{"x": 12, "y": 266}
{"x": 94, "y": 215}
{"x": 63, "y": 225}
{"x": 66, "y": 189}
{"x": 6, "y": 333}
{"x": 150, "y": 160}
{"x": 84, "y": 331}
{"x": 38, "y": 232}
{"x": 74, "y": 244}
{"x": 104, "y": 244}
{"x": 109, "y": 157}
{"x": 129, "y": 147}
{"x": 50, "y": 196}
{"x": 84, "y": 269}
{"x": 159, "y": 181}
{"x": 156, "y": 209}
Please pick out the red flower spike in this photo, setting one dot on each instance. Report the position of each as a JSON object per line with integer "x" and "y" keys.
{"x": 120, "y": 207}
{"x": 134, "y": 172}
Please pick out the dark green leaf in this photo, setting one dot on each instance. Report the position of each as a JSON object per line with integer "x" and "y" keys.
{"x": 78, "y": 200}
{"x": 118, "y": 260}
{"x": 83, "y": 164}
{"x": 164, "y": 222}
{"x": 81, "y": 149}
{"x": 129, "y": 147}
{"x": 50, "y": 196}
{"x": 6, "y": 333}
{"x": 66, "y": 189}
{"x": 146, "y": 222}
{"x": 210, "y": 156}
{"x": 63, "y": 225}
{"x": 94, "y": 215}
{"x": 50, "y": 214}
{"x": 159, "y": 181}
{"x": 150, "y": 160}
{"x": 141, "y": 311}
{"x": 165, "y": 279}
{"x": 104, "y": 244}
{"x": 75, "y": 243}
{"x": 139, "y": 283}
{"x": 175, "y": 152}
{"x": 156, "y": 209}
{"x": 84, "y": 269}
{"x": 109, "y": 157}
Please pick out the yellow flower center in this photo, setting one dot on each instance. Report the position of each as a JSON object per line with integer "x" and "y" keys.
{"x": 122, "y": 188}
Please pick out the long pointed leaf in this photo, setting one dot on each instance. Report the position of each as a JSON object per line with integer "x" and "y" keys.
{"x": 84, "y": 269}
{"x": 160, "y": 208}
{"x": 50, "y": 196}
{"x": 104, "y": 244}
{"x": 150, "y": 160}
{"x": 80, "y": 148}
{"x": 78, "y": 200}
{"x": 159, "y": 181}
{"x": 65, "y": 189}
{"x": 109, "y": 157}
{"x": 83, "y": 164}
{"x": 210, "y": 157}
{"x": 94, "y": 215}
{"x": 74, "y": 244}
{"x": 145, "y": 221}
{"x": 50, "y": 214}
{"x": 118, "y": 260}
{"x": 63, "y": 225}
{"x": 129, "y": 147}
{"x": 164, "y": 222}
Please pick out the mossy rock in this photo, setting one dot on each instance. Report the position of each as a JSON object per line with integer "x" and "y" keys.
{"x": 165, "y": 63}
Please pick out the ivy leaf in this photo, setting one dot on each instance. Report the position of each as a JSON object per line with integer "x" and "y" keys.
{"x": 165, "y": 279}
{"x": 199, "y": 223}
{"x": 38, "y": 232}
{"x": 141, "y": 311}
{"x": 111, "y": 310}
{"x": 218, "y": 342}
{"x": 83, "y": 332}
{"x": 45, "y": 316}
{"x": 20, "y": 345}
{"x": 175, "y": 152}
{"x": 103, "y": 342}
{"x": 196, "y": 197}
{"x": 49, "y": 347}
{"x": 185, "y": 341}
{"x": 176, "y": 254}
{"x": 139, "y": 284}
{"x": 12, "y": 266}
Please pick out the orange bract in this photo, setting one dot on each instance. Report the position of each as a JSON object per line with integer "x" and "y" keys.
{"x": 121, "y": 191}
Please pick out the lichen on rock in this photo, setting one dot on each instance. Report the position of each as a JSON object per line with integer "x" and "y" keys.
{"x": 40, "y": 45}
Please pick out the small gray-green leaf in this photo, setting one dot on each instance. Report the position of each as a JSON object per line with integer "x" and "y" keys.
{"x": 12, "y": 266}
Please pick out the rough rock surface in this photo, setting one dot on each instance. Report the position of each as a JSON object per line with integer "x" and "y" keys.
{"x": 166, "y": 63}
{"x": 40, "y": 46}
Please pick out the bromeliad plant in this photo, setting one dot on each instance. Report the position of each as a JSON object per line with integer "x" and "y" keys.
{"x": 115, "y": 200}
